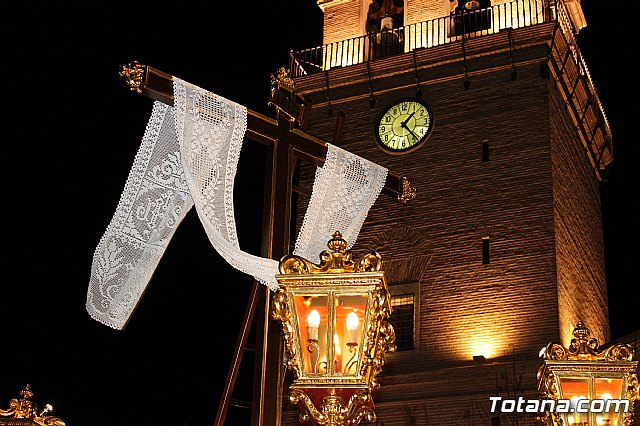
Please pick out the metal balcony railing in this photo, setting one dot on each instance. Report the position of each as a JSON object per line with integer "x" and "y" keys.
{"x": 447, "y": 29}
{"x": 470, "y": 24}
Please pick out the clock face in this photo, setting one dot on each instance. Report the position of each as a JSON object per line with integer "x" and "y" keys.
{"x": 404, "y": 125}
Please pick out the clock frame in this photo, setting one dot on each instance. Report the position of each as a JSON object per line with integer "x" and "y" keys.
{"x": 404, "y": 125}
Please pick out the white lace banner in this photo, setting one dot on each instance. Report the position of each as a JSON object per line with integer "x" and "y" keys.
{"x": 154, "y": 201}
{"x": 210, "y": 131}
{"x": 344, "y": 189}
{"x": 188, "y": 156}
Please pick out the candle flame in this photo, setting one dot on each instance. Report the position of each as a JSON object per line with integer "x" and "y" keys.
{"x": 313, "y": 320}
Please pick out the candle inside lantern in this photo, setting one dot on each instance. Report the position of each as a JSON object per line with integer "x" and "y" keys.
{"x": 313, "y": 322}
{"x": 352, "y": 327}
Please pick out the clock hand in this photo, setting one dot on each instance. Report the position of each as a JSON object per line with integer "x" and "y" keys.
{"x": 403, "y": 123}
{"x": 410, "y": 131}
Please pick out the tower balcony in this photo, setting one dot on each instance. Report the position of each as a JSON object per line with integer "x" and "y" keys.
{"x": 426, "y": 34}
{"x": 457, "y": 40}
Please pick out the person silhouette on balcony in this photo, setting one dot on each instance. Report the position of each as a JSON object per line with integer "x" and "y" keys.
{"x": 387, "y": 41}
{"x": 469, "y": 16}
{"x": 379, "y": 9}
{"x": 384, "y": 18}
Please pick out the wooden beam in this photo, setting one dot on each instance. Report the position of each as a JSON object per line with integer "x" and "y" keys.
{"x": 158, "y": 85}
{"x": 285, "y": 144}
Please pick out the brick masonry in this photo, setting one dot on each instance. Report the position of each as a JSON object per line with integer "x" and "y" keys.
{"x": 537, "y": 199}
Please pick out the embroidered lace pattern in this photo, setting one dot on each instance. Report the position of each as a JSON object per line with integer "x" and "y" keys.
{"x": 344, "y": 189}
{"x": 210, "y": 131}
{"x": 188, "y": 156}
{"x": 154, "y": 201}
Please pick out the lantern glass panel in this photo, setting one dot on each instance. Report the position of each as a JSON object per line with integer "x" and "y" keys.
{"x": 313, "y": 325}
{"x": 576, "y": 389}
{"x": 350, "y": 322}
{"x": 607, "y": 390}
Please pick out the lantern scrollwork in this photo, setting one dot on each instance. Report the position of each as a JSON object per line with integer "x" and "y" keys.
{"x": 334, "y": 320}
{"x": 23, "y": 411}
{"x": 595, "y": 386}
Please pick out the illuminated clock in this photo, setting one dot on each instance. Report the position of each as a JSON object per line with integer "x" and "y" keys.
{"x": 404, "y": 125}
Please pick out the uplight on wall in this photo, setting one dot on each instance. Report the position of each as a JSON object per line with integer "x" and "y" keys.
{"x": 481, "y": 348}
{"x": 480, "y": 359}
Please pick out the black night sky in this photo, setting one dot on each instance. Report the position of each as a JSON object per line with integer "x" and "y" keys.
{"x": 70, "y": 131}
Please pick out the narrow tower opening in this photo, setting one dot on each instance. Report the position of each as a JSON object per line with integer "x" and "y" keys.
{"x": 486, "y": 251}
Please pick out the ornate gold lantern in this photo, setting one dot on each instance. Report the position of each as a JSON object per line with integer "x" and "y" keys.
{"x": 24, "y": 412}
{"x": 591, "y": 386}
{"x": 334, "y": 316}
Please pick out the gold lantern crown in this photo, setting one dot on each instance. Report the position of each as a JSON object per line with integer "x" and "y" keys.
{"x": 584, "y": 371}
{"x": 24, "y": 409}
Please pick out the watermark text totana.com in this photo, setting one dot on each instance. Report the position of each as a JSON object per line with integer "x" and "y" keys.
{"x": 578, "y": 405}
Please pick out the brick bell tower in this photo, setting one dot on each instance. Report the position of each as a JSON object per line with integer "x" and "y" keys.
{"x": 501, "y": 251}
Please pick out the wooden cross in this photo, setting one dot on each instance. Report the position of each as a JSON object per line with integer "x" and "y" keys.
{"x": 286, "y": 143}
